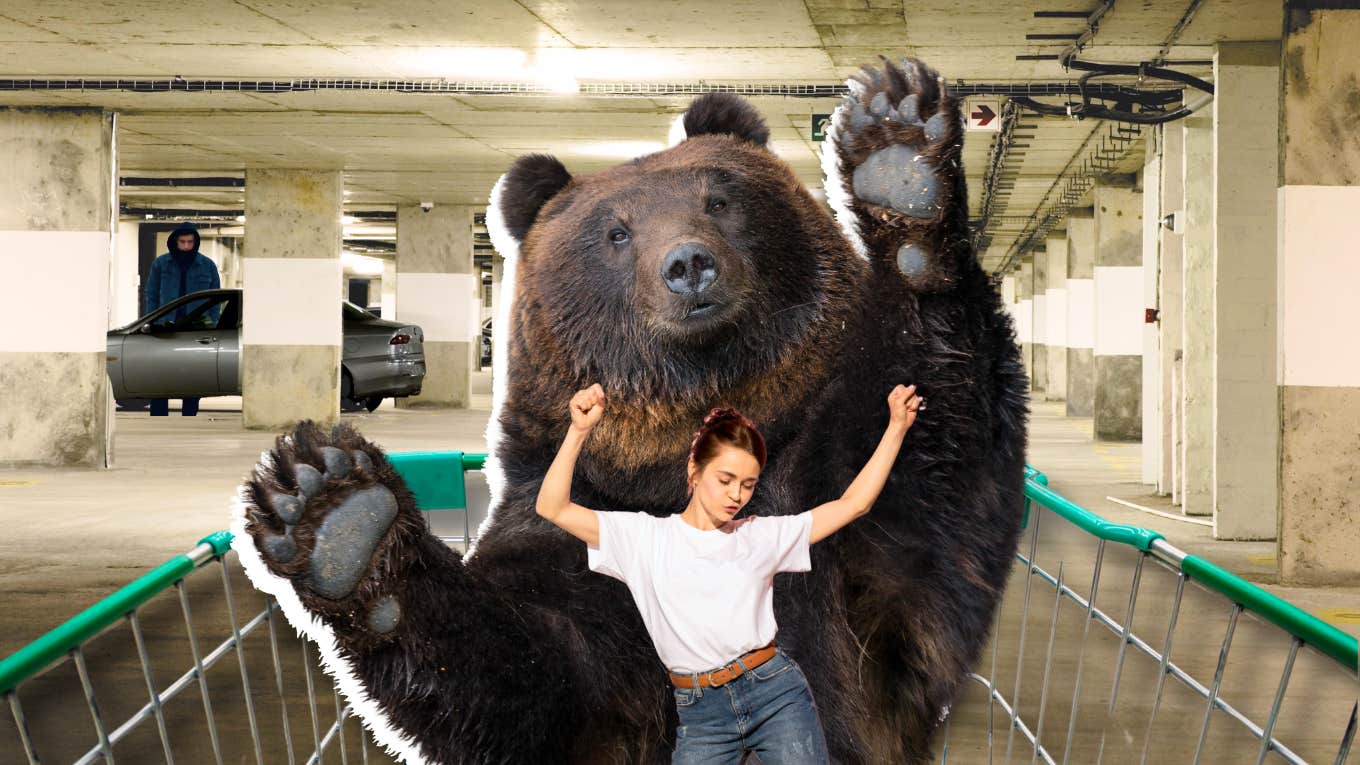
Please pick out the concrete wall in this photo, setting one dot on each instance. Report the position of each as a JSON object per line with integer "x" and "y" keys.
{"x": 1197, "y": 316}
{"x": 1081, "y": 322}
{"x": 1118, "y": 312}
{"x": 1246, "y": 422}
{"x": 1318, "y": 268}
{"x": 56, "y": 220}
{"x": 290, "y": 350}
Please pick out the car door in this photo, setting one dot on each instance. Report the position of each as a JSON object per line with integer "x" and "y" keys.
{"x": 229, "y": 348}
{"x": 176, "y": 359}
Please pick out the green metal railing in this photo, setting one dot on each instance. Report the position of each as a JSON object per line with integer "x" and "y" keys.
{"x": 437, "y": 479}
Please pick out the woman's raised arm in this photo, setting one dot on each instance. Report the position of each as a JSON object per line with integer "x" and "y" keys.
{"x": 554, "y": 495}
{"x": 829, "y": 518}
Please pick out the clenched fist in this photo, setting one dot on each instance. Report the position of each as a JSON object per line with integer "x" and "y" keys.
{"x": 587, "y": 407}
{"x": 903, "y": 403}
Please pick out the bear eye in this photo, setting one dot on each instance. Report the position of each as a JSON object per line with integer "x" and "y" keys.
{"x": 717, "y": 205}
{"x": 618, "y": 236}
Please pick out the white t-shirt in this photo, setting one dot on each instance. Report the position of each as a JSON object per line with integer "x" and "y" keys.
{"x": 706, "y": 597}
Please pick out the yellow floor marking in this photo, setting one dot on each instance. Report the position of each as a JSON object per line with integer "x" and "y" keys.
{"x": 1340, "y": 615}
{"x": 1262, "y": 560}
{"x": 17, "y": 483}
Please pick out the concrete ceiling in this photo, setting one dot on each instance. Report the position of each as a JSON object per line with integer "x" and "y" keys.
{"x": 450, "y": 146}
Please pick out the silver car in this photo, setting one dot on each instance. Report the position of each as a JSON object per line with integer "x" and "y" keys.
{"x": 192, "y": 347}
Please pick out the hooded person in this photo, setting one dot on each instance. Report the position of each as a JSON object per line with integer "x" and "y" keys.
{"x": 178, "y": 272}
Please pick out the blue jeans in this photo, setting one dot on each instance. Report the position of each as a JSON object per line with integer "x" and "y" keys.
{"x": 768, "y": 710}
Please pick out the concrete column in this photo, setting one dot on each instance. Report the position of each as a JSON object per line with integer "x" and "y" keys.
{"x": 1318, "y": 268}
{"x": 1081, "y": 321}
{"x": 1024, "y": 317}
{"x": 389, "y": 290}
{"x": 56, "y": 237}
{"x": 291, "y": 333}
{"x": 123, "y": 302}
{"x": 1197, "y": 316}
{"x": 1172, "y": 141}
{"x": 1150, "y": 182}
{"x": 1055, "y": 310}
{"x": 1039, "y": 327}
{"x": 1246, "y": 422}
{"x": 439, "y": 291}
{"x": 1119, "y": 313}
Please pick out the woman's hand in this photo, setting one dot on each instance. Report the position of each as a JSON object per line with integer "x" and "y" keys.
{"x": 587, "y": 407}
{"x": 903, "y": 403}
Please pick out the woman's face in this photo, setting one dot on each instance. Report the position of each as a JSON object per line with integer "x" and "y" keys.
{"x": 726, "y": 483}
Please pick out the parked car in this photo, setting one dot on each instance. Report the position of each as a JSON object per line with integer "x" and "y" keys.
{"x": 200, "y": 354}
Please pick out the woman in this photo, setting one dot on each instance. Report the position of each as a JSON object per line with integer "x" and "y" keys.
{"x": 703, "y": 582}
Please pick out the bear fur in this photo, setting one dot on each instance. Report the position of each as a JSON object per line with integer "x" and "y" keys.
{"x": 517, "y": 653}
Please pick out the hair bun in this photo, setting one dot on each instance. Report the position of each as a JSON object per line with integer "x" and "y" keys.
{"x": 721, "y": 414}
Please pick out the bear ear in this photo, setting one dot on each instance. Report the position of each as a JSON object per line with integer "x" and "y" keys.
{"x": 725, "y": 114}
{"x": 526, "y": 187}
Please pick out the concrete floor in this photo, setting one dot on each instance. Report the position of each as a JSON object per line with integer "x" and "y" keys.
{"x": 72, "y": 536}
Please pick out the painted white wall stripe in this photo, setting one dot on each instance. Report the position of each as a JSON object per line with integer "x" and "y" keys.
{"x": 1056, "y": 333}
{"x": 1039, "y": 328}
{"x": 1319, "y": 261}
{"x": 1119, "y": 310}
{"x": 291, "y": 301}
{"x": 1081, "y": 317}
{"x": 70, "y": 265}
{"x": 444, "y": 305}
{"x": 1024, "y": 321}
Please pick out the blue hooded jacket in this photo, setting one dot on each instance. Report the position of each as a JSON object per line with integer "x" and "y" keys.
{"x": 175, "y": 274}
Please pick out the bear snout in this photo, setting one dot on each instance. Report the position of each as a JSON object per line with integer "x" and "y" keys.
{"x": 689, "y": 270}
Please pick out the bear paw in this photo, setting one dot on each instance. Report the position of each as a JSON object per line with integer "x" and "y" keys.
{"x": 897, "y": 146}
{"x": 329, "y": 513}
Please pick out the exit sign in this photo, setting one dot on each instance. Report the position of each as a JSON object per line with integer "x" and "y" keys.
{"x": 820, "y": 124}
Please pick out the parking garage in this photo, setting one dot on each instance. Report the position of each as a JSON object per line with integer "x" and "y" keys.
{"x": 1163, "y": 193}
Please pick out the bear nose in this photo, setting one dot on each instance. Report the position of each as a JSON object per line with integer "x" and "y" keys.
{"x": 689, "y": 269}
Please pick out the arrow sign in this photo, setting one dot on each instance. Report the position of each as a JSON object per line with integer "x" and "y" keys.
{"x": 982, "y": 115}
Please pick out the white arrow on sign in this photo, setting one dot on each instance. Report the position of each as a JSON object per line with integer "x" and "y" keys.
{"x": 983, "y": 115}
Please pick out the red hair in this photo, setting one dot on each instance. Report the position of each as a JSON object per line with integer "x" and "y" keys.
{"x": 726, "y": 426}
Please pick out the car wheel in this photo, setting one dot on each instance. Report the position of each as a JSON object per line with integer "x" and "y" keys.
{"x": 347, "y": 402}
{"x": 373, "y": 402}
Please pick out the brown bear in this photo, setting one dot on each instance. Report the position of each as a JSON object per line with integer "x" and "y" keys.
{"x": 698, "y": 276}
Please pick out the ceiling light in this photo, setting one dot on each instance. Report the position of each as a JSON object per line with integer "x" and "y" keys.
{"x": 240, "y": 219}
{"x": 348, "y": 220}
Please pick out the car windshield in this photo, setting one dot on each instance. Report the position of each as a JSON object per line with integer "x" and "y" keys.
{"x": 352, "y": 312}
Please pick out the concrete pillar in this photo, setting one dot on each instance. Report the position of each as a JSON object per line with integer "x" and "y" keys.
{"x": 1197, "y": 317}
{"x": 1246, "y": 422}
{"x": 291, "y": 333}
{"x": 1119, "y": 313}
{"x": 1172, "y": 141}
{"x": 123, "y": 302}
{"x": 1150, "y": 182}
{"x": 1081, "y": 321}
{"x": 1024, "y": 324}
{"x": 56, "y": 237}
{"x": 1318, "y": 268}
{"x": 1039, "y": 326}
{"x": 439, "y": 291}
{"x": 1055, "y": 309}
{"x": 389, "y": 290}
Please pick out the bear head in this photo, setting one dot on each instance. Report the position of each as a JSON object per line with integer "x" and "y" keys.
{"x": 701, "y": 275}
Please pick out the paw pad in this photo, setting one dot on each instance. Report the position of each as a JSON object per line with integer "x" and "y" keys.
{"x": 347, "y": 536}
{"x": 896, "y": 177}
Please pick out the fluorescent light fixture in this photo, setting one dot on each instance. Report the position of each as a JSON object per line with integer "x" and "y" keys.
{"x": 360, "y": 265}
{"x": 348, "y": 220}
{"x": 240, "y": 219}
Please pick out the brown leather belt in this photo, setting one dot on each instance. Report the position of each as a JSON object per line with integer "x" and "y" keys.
{"x": 727, "y": 674}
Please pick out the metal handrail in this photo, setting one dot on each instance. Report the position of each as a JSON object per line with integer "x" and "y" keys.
{"x": 1322, "y": 636}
